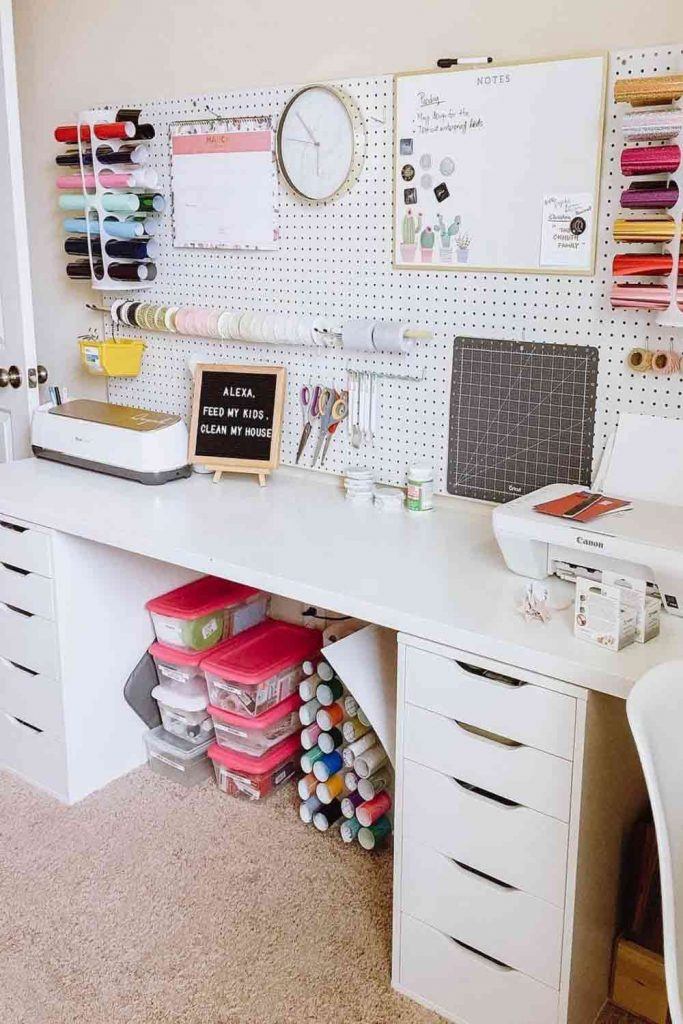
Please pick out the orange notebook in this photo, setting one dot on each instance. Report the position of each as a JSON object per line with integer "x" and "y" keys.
{"x": 583, "y": 506}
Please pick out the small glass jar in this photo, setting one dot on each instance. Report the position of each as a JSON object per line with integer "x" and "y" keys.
{"x": 420, "y": 488}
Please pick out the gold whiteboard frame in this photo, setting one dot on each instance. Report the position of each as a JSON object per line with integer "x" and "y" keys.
{"x": 469, "y": 268}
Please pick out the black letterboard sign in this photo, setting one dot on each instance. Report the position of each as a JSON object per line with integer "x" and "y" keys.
{"x": 237, "y": 416}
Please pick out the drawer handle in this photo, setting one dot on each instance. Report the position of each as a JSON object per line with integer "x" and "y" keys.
{"x": 13, "y": 526}
{"x": 15, "y": 568}
{"x": 15, "y": 664}
{"x": 495, "y": 882}
{"x": 486, "y": 736}
{"x": 498, "y": 965}
{"x": 17, "y": 611}
{"x": 485, "y": 794}
{"x": 17, "y": 722}
{"x": 492, "y": 677}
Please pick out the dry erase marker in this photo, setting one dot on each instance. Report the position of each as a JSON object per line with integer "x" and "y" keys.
{"x": 306, "y": 786}
{"x": 370, "y": 787}
{"x": 375, "y": 835}
{"x": 372, "y": 810}
{"x": 328, "y": 765}
{"x": 308, "y": 712}
{"x": 310, "y": 736}
{"x": 308, "y": 687}
{"x": 349, "y": 804}
{"x": 349, "y": 830}
{"x": 329, "y": 741}
{"x": 328, "y": 693}
{"x": 369, "y": 761}
{"x": 309, "y": 758}
{"x": 308, "y": 808}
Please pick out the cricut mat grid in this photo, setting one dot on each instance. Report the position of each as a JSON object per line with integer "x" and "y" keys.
{"x": 335, "y": 262}
{"x": 522, "y": 416}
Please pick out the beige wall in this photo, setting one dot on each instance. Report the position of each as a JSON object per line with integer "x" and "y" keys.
{"x": 72, "y": 54}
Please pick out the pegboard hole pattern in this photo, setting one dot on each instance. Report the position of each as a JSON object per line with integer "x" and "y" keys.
{"x": 335, "y": 262}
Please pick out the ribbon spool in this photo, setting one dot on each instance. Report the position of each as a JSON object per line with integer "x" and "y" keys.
{"x": 665, "y": 362}
{"x": 639, "y": 360}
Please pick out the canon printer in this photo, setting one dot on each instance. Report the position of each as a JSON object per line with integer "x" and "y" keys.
{"x": 645, "y": 542}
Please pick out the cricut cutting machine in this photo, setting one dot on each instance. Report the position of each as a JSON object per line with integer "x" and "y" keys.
{"x": 645, "y": 542}
{"x": 150, "y": 447}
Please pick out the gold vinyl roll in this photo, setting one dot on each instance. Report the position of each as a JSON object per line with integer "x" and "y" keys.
{"x": 661, "y": 229}
{"x": 643, "y": 92}
{"x": 639, "y": 360}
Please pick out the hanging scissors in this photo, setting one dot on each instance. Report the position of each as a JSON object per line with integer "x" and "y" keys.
{"x": 326, "y": 400}
{"x": 309, "y": 399}
{"x": 338, "y": 413}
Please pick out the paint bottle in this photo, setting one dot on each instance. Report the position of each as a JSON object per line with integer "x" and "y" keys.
{"x": 328, "y": 693}
{"x": 349, "y": 830}
{"x": 328, "y": 765}
{"x": 329, "y": 741}
{"x": 369, "y": 761}
{"x": 375, "y": 835}
{"x": 328, "y": 816}
{"x": 420, "y": 488}
{"x": 372, "y": 810}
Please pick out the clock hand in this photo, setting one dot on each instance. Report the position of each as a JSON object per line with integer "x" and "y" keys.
{"x": 307, "y": 129}
{"x": 304, "y": 142}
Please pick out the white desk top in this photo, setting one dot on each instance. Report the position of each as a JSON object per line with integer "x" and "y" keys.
{"x": 438, "y": 575}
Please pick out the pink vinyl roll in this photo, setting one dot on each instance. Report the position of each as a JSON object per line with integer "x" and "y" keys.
{"x": 639, "y": 296}
{"x": 650, "y": 160}
{"x": 76, "y": 181}
{"x": 110, "y": 179}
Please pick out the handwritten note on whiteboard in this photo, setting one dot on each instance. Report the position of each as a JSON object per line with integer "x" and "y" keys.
{"x": 566, "y": 230}
{"x": 224, "y": 185}
{"x": 479, "y": 152}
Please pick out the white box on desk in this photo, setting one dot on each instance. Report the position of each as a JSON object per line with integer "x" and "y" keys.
{"x": 603, "y": 615}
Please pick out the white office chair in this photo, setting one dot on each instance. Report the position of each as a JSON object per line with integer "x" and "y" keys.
{"x": 655, "y": 714}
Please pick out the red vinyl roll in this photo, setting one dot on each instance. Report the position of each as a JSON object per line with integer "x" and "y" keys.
{"x": 116, "y": 130}
{"x": 650, "y": 160}
{"x": 649, "y": 264}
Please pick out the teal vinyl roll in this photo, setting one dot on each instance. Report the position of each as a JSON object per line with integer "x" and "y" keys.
{"x": 124, "y": 229}
{"x": 71, "y": 201}
{"x": 123, "y": 202}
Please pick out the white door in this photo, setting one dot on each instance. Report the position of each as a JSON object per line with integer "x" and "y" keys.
{"x": 18, "y": 371}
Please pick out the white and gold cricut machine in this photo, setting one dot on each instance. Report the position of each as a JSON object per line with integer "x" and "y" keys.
{"x": 138, "y": 444}
{"x": 645, "y": 542}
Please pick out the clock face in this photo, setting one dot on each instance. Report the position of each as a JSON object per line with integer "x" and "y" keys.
{"x": 318, "y": 142}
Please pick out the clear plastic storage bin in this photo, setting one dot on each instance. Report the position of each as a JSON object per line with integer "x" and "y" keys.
{"x": 254, "y": 671}
{"x": 200, "y": 614}
{"x": 256, "y": 735}
{"x": 254, "y": 777}
{"x": 184, "y": 715}
{"x": 176, "y": 759}
{"x": 179, "y": 670}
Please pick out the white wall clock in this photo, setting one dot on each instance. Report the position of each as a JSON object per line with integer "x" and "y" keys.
{"x": 320, "y": 143}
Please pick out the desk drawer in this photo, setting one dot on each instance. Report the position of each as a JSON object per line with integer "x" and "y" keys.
{"x": 26, "y": 590}
{"x": 37, "y": 756}
{"x": 527, "y": 776}
{"x": 521, "y": 930}
{"x": 466, "y": 986}
{"x": 534, "y": 716}
{"x": 517, "y": 845}
{"x": 25, "y": 547}
{"x": 36, "y": 699}
{"x": 29, "y": 640}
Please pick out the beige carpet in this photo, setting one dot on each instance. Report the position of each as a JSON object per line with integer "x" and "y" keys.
{"x": 150, "y": 904}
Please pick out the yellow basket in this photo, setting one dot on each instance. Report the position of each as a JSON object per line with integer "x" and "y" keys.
{"x": 112, "y": 358}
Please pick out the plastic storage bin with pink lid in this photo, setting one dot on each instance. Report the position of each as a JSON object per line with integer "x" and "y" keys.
{"x": 251, "y": 672}
{"x": 184, "y": 714}
{"x": 239, "y": 774}
{"x": 179, "y": 670}
{"x": 199, "y": 615}
{"x": 256, "y": 735}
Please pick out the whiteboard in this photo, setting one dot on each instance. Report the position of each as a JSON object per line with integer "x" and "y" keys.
{"x": 498, "y": 168}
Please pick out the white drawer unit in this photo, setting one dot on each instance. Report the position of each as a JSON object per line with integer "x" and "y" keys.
{"x": 30, "y": 696}
{"x": 29, "y": 640}
{"x": 467, "y": 986}
{"x": 35, "y": 754}
{"x": 509, "y": 705}
{"x": 25, "y": 546}
{"x": 523, "y": 931}
{"x": 530, "y": 777}
{"x": 517, "y": 845}
{"x": 26, "y": 590}
{"x": 505, "y": 780}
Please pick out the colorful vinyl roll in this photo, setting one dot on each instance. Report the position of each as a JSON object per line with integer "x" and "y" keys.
{"x": 308, "y": 668}
{"x": 358, "y": 747}
{"x": 327, "y": 718}
{"x": 81, "y": 225}
{"x": 328, "y": 693}
{"x": 639, "y": 360}
{"x": 306, "y": 786}
{"x": 370, "y": 787}
{"x": 310, "y": 735}
{"x": 110, "y": 179}
{"x": 132, "y": 250}
{"x": 650, "y": 195}
{"x": 648, "y": 91}
{"x": 353, "y": 729}
{"x": 648, "y": 229}
{"x": 351, "y": 780}
{"x": 389, "y": 336}
{"x": 80, "y": 270}
{"x": 79, "y": 246}
{"x": 143, "y": 132}
{"x": 309, "y": 710}
{"x": 115, "y": 130}
{"x": 132, "y": 271}
{"x": 349, "y": 830}
{"x": 76, "y": 182}
{"x": 375, "y": 835}
{"x": 369, "y": 761}
{"x": 639, "y": 296}
{"x": 651, "y": 265}
{"x": 652, "y": 125}
{"x": 73, "y": 159}
{"x": 327, "y": 766}
{"x": 123, "y": 229}
{"x": 152, "y": 204}
{"x": 138, "y": 155}
{"x": 331, "y": 789}
{"x": 327, "y": 816}
{"x": 309, "y": 758}
{"x": 372, "y": 810}
{"x": 329, "y": 741}
{"x": 665, "y": 362}
{"x": 308, "y": 686}
{"x": 350, "y": 802}
{"x": 74, "y": 202}
{"x": 325, "y": 671}
{"x": 128, "y": 114}
{"x": 308, "y": 808}
{"x": 121, "y": 202}
{"x": 350, "y": 705}
{"x": 362, "y": 717}
{"x": 650, "y": 160}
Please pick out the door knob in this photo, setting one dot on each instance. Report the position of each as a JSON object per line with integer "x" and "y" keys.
{"x": 12, "y": 376}
{"x": 36, "y": 375}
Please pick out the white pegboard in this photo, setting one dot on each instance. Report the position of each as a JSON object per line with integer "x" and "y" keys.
{"x": 335, "y": 261}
